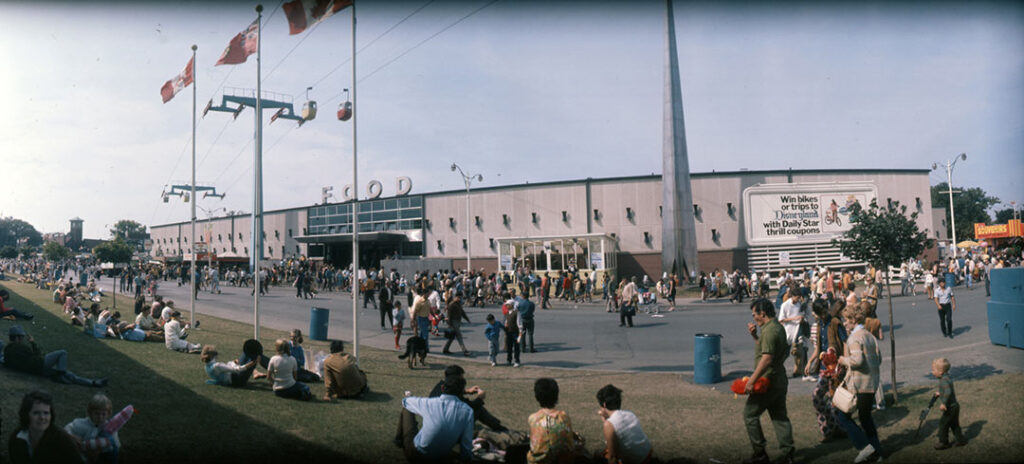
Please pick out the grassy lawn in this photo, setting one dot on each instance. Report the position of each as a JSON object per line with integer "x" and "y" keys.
{"x": 180, "y": 418}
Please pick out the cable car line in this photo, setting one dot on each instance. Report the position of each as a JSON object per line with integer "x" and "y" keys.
{"x": 328, "y": 74}
{"x": 407, "y": 51}
{"x": 364, "y": 47}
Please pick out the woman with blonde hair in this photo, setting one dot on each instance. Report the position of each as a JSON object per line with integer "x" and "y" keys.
{"x": 862, "y": 359}
{"x": 282, "y": 369}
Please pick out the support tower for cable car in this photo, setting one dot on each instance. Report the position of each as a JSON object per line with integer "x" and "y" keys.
{"x": 247, "y": 98}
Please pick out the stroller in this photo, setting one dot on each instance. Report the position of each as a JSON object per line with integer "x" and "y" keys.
{"x": 648, "y": 302}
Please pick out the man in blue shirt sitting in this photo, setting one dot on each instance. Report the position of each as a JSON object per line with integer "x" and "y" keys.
{"x": 447, "y": 421}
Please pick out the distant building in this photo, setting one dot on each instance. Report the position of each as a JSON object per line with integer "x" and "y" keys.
{"x": 57, "y": 237}
{"x": 74, "y": 237}
{"x": 762, "y": 220}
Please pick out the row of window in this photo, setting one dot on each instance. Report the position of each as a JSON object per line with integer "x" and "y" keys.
{"x": 220, "y": 238}
{"x": 270, "y": 250}
{"x": 368, "y": 206}
{"x": 366, "y": 217}
{"x": 415, "y": 224}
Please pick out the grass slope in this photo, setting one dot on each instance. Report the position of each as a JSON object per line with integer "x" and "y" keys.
{"x": 182, "y": 419}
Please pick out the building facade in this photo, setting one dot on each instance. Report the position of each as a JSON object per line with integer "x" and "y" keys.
{"x": 744, "y": 219}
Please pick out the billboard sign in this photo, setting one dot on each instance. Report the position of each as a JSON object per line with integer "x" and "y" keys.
{"x": 793, "y": 213}
{"x": 1010, "y": 229}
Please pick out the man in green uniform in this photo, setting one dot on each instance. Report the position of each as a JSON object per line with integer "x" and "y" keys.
{"x": 770, "y": 352}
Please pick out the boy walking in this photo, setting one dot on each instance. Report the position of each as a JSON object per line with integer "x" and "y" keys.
{"x": 949, "y": 406}
{"x": 493, "y": 333}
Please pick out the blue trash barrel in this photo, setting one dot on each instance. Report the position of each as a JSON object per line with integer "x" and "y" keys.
{"x": 707, "y": 358}
{"x": 83, "y": 279}
{"x": 318, "y": 323}
{"x": 1006, "y": 308}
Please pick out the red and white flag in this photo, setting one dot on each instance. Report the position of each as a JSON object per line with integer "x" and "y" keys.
{"x": 173, "y": 86}
{"x": 304, "y": 14}
{"x": 243, "y": 45}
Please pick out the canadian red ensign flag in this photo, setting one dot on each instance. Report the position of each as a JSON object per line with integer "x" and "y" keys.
{"x": 304, "y": 14}
{"x": 173, "y": 86}
{"x": 243, "y": 45}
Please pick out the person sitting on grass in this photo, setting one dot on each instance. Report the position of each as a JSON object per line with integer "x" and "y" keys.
{"x": 175, "y": 334}
{"x": 447, "y": 421}
{"x": 156, "y": 310}
{"x": 282, "y": 369}
{"x": 79, "y": 314}
{"x": 295, "y": 346}
{"x": 480, "y": 413}
{"x": 145, "y": 321}
{"x": 625, "y": 440}
{"x": 10, "y": 313}
{"x": 166, "y": 309}
{"x": 229, "y": 374}
{"x": 253, "y": 349}
{"x": 24, "y": 355}
{"x": 552, "y": 440}
{"x": 140, "y": 304}
{"x": 131, "y": 332}
{"x": 342, "y": 376}
{"x": 110, "y": 320}
{"x": 96, "y": 434}
{"x": 70, "y": 302}
{"x": 38, "y": 438}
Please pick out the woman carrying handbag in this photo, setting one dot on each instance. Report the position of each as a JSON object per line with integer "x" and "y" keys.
{"x": 862, "y": 359}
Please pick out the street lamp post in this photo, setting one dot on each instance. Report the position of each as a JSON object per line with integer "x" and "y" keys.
{"x": 113, "y": 285}
{"x": 949, "y": 183}
{"x": 467, "y": 179}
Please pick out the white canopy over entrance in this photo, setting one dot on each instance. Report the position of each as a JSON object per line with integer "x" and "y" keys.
{"x": 557, "y": 253}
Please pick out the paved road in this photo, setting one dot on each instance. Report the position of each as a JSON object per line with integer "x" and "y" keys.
{"x": 585, "y": 336}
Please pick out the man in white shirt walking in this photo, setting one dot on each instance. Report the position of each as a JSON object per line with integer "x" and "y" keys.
{"x": 790, "y": 316}
{"x": 946, "y": 303}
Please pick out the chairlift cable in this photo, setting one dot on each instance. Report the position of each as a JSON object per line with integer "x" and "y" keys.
{"x": 286, "y": 55}
{"x": 431, "y": 37}
{"x": 214, "y": 144}
{"x": 364, "y": 47}
{"x": 266, "y": 151}
{"x": 387, "y": 31}
{"x": 171, "y": 175}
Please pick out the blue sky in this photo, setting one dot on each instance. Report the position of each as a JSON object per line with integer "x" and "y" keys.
{"x": 518, "y": 92}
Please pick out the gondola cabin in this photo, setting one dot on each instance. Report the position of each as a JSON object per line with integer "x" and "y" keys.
{"x": 345, "y": 111}
{"x": 309, "y": 110}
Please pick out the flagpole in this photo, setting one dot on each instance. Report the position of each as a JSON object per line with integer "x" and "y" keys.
{"x": 257, "y": 209}
{"x": 355, "y": 202}
{"x": 192, "y": 291}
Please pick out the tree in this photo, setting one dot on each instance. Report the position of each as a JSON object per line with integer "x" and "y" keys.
{"x": 27, "y": 252}
{"x": 54, "y": 251}
{"x": 13, "y": 230}
{"x": 1003, "y": 216}
{"x": 128, "y": 230}
{"x": 9, "y": 252}
{"x": 884, "y": 237}
{"x": 970, "y": 206}
{"x": 114, "y": 251}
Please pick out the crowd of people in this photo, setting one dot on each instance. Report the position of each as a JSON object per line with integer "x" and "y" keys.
{"x": 837, "y": 347}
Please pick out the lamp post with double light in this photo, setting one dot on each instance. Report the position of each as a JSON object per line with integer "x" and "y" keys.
{"x": 949, "y": 183}
{"x": 468, "y": 179}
